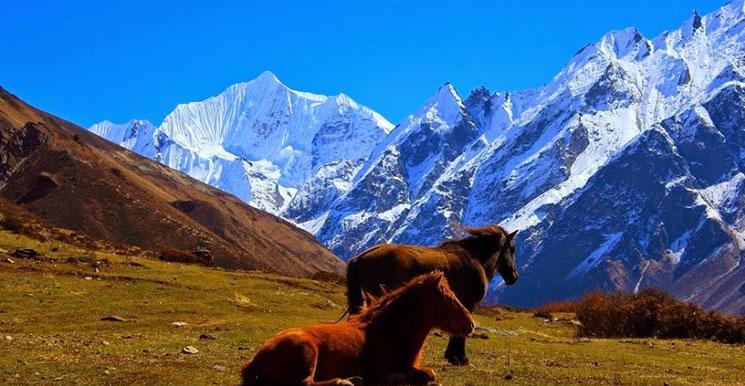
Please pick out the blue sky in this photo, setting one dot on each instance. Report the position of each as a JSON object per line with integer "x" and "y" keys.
{"x": 88, "y": 60}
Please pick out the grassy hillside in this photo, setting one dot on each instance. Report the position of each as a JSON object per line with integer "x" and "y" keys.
{"x": 51, "y": 330}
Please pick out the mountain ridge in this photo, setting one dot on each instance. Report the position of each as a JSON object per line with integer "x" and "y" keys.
{"x": 537, "y": 160}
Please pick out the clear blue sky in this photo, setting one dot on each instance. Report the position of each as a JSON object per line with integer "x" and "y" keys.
{"x": 88, "y": 60}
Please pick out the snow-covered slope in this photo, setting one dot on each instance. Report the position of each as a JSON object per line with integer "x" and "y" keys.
{"x": 624, "y": 171}
{"x": 259, "y": 140}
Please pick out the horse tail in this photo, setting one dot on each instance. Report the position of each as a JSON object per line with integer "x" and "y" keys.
{"x": 355, "y": 296}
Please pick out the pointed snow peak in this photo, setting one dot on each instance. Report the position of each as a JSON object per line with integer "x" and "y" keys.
{"x": 344, "y": 99}
{"x": 623, "y": 42}
{"x": 266, "y": 80}
{"x": 267, "y": 76}
{"x": 692, "y": 25}
{"x": 446, "y": 93}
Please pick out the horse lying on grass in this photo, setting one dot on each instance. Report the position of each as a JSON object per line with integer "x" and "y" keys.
{"x": 381, "y": 345}
{"x": 469, "y": 265}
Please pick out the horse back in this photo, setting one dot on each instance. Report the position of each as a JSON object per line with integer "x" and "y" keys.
{"x": 389, "y": 266}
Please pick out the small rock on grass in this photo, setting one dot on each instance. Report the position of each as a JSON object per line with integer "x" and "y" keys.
{"x": 10, "y": 261}
{"x": 8, "y": 338}
{"x": 114, "y": 318}
{"x": 191, "y": 350}
{"x": 179, "y": 324}
{"x": 219, "y": 368}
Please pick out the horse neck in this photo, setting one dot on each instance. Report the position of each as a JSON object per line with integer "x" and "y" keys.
{"x": 479, "y": 249}
{"x": 401, "y": 329}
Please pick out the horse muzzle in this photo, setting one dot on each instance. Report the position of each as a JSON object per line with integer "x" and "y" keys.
{"x": 470, "y": 329}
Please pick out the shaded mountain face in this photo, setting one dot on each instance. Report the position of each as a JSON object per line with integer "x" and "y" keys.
{"x": 73, "y": 179}
{"x": 623, "y": 172}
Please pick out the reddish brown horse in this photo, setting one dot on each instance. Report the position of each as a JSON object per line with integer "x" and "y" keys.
{"x": 380, "y": 344}
{"x": 469, "y": 265}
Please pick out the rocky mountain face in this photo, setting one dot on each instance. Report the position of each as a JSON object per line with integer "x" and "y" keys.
{"x": 625, "y": 171}
{"x": 62, "y": 175}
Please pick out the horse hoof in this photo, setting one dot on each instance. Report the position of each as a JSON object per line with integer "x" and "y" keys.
{"x": 356, "y": 381}
{"x": 458, "y": 361}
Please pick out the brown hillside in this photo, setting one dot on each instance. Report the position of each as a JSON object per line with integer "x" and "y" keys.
{"x": 76, "y": 180}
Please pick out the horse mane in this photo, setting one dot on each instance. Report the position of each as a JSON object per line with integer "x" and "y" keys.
{"x": 475, "y": 235}
{"x": 388, "y": 301}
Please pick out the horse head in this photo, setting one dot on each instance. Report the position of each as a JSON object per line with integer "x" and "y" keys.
{"x": 447, "y": 312}
{"x": 501, "y": 247}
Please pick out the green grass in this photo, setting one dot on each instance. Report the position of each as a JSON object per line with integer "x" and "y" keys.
{"x": 52, "y": 313}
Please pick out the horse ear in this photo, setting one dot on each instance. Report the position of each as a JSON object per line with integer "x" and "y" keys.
{"x": 369, "y": 298}
{"x": 511, "y": 236}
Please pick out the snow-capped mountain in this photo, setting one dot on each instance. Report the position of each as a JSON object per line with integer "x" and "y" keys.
{"x": 564, "y": 164}
{"x": 625, "y": 171}
{"x": 259, "y": 140}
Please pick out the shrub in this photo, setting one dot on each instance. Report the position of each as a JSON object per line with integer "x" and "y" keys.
{"x": 12, "y": 223}
{"x": 555, "y": 308}
{"x": 653, "y": 313}
{"x": 327, "y": 276}
{"x": 179, "y": 256}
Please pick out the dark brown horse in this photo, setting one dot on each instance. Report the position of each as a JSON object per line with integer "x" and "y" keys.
{"x": 469, "y": 265}
{"x": 383, "y": 344}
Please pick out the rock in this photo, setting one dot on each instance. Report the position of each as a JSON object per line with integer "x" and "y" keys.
{"x": 219, "y": 368}
{"x": 114, "y": 318}
{"x": 88, "y": 278}
{"x": 325, "y": 304}
{"x": 105, "y": 342}
{"x": 207, "y": 337}
{"x": 179, "y": 324}
{"x": 10, "y": 261}
{"x": 26, "y": 253}
{"x": 8, "y": 338}
{"x": 479, "y": 335}
{"x": 190, "y": 350}
{"x": 544, "y": 315}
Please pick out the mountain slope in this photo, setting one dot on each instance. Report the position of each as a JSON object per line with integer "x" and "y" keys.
{"x": 76, "y": 180}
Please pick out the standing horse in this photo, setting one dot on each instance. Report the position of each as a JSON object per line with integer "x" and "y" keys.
{"x": 381, "y": 344}
{"x": 469, "y": 265}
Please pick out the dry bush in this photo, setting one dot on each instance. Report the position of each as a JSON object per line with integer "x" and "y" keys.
{"x": 327, "y": 276}
{"x": 555, "y": 307}
{"x": 13, "y": 224}
{"x": 181, "y": 256}
{"x": 653, "y": 313}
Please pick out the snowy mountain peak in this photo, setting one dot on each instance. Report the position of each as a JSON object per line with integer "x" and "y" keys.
{"x": 259, "y": 139}
{"x": 623, "y": 42}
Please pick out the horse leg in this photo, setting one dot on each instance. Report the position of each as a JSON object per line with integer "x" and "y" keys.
{"x": 456, "y": 351}
{"x": 355, "y": 296}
